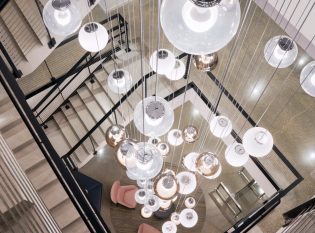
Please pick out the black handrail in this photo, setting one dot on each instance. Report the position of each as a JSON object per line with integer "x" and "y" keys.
{"x": 16, "y": 72}
{"x": 90, "y": 216}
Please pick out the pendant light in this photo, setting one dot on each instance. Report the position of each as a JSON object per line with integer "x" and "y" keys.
{"x": 280, "y": 51}
{"x": 206, "y": 62}
{"x": 258, "y": 142}
{"x": 146, "y": 213}
{"x": 188, "y": 218}
{"x": 189, "y": 161}
{"x": 123, "y": 149}
{"x": 158, "y": 116}
{"x": 119, "y": 81}
{"x": 175, "y": 137}
{"x": 220, "y": 126}
{"x": 187, "y": 182}
{"x": 190, "y": 202}
{"x": 154, "y": 141}
{"x": 152, "y": 203}
{"x": 200, "y": 27}
{"x": 93, "y": 37}
{"x": 177, "y": 72}
{"x": 62, "y": 17}
{"x": 115, "y": 134}
{"x": 140, "y": 196}
{"x": 307, "y": 78}
{"x": 175, "y": 218}
{"x": 236, "y": 155}
{"x": 162, "y": 61}
{"x": 166, "y": 186}
{"x": 208, "y": 165}
{"x": 164, "y": 148}
{"x": 169, "y": 227}
{"x": 190, "y": 134}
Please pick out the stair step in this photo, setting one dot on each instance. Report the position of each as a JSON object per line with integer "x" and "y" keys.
{"x": 56, "y": 138}
{"x": 92, "y": 105}
{"x": 78, "y": 226}
{"x": 86, "y": 118}
{"x": 77, "y": 125}
{"x": 9, "y": 117}
{"x": 70, "y": 135}
{"x": 18, "y": 137}
{"x": 41, "y": 176}
{"x": 53, "y": 194}
{"x": 65, "y": 213}
{"x": 30, "y": 156}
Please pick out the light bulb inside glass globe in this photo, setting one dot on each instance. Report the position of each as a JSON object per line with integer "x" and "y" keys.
{"x": 119, "y": 81}
{"x": 93, "y": 37}
{"x": 258, "y": 141}
{"x": 190, "y": 202}
{"x": 145, "y": 212}
{"x": 175, "y": 218}
{"x": 187, "y": 23}
{"x": 140, "y": 196}
{"x": 158, "y": 116}
{"x": 123, "y": 149}
{"x": 163, "y": 61}
{"x": 154, "y": 141}
{"x": 164, "y": 148}
{"x": 189, "y": 161}
{"x": 178, "y": 71}
{"x": 307, "y": 78}
{"x": 175, "y": 137}
{"x": 280, "y": 51}
{"x": 236, "y": 155}
{"x": 221, "y": 126}
{"x": 208, "y": 165}
{"x": 187, "y": 182}
{"x": 152, "y": 203}
{"x": 169, "y": 227}
{"x": 144, "y": 161}
{"x": 206, "y": 62}
{"x": 62, "y": 17}
{"x": 115, "y": 134}
{"x": 188, "y": 218}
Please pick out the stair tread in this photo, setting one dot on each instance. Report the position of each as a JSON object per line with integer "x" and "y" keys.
{"x": 65, "y": 214}
{"x": 92, "y": 105}
{"x": 78, "y": 226}
{"x": 53, "y": 194}
{"x": 41, "y": 176}
{"x": 69, "y": 134}
{"x": 86, "y": 117}
{"x": 9, "y": 116}
{"x": 56, "y": 138}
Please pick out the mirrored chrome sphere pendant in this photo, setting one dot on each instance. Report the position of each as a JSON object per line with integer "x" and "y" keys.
{"x": 93, "y": 37}
{"x": 62, "y": 17}
{"x": 208, "y": 165}
{"x": 158, "y": 116}
{"x": 307, "y": 78}
{"x": 206, "y": 62}
{"x": 280, "y": 51}
{"x": 115, "y": 134}
{"x": 119, "y": 81}
{"x": 187, "y": 23}
{"x": 154, "y": 141}
{"x": 162, "y": 61}
{"x": 190, "y": 134}
{"x": 123, "y": 149}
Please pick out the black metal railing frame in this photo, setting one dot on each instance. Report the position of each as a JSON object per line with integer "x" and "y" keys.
{"x": 15, "y": 71}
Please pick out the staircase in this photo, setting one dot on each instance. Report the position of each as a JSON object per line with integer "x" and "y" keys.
{"x": 37, "y": 169}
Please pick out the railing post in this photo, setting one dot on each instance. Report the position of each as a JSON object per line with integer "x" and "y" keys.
{"x": 17, "y": 73}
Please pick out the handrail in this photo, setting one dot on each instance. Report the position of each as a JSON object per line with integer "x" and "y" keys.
{"x": 16, "y": 72}
{"x": 230, "y": 197}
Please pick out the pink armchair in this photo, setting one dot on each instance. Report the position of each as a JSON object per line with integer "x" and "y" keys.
{"x": 124, "y": 195}
{"x": 146, "y": 228}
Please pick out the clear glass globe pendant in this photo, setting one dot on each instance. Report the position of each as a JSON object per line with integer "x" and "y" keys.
{"x": 307, "y": 78}
{"x": 158, "y": 116}
{"x": 62, "y": 17}
{"x": 280, "y": 51}
{"x": 200, "y": 27}
{"x": 188, "y": 218}
{"x": 169, "y": 227}
{"x": 93, "y": 37}
{"x": 119, "y": 81}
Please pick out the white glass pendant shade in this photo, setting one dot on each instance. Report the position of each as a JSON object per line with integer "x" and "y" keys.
{"x": 187, "y": 182}
{"x": 175, "y": 137}
{"x": 115, "y": 134}
{"x": 164, "y": 148}
{"x": 307, "y": 78}
{"x": 163, "y": 61}
{"x": 190, "y": 134}
{"x": 119, "y": 81}
{"x": 178, "y": 71}
{"x": 200, "y": 30}
{"x": 258, "y": 141}
{"x": 280, "y": 51}
{"x": 188, "y": 218}
{"x": 158, "y": 116}
{"x": 175, "y": 218}
{"x": 154, "y": 141}
{"x": 221, "y": 126}
{"x": 165, "y": 204}
{"x": 169, "y": 227}
{"x": 123, "y": 149}
{"x": 62, "y": 17}
{"x": 189, "y": 161}
{"x": 93, "y": 37}
{"x": 190, "y": 202}
{"x": 152, "y": 202}
{"x": 236, "y": 155}
{"x": 208, "y": 165}
{"x": 166, "y": 186}
{"x": 144, "y": 161}
{"x": 140, "y": 196}
{"x": 141, "y": 182}
{"x": 145, "y": 212}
